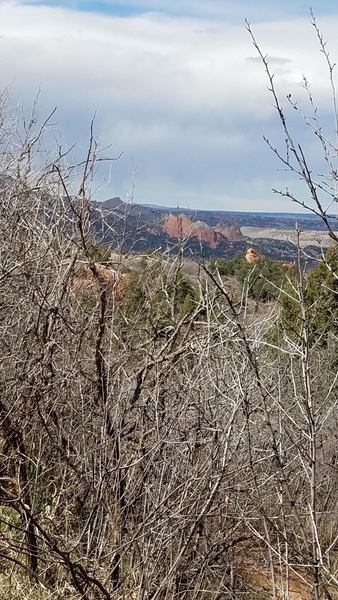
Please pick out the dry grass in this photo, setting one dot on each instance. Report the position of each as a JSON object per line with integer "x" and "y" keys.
{"x": 12, "y": 587}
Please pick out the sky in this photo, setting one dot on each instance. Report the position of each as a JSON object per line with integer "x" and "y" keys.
{"x": 176, "y": 86}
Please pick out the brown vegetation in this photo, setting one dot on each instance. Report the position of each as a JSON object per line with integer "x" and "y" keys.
{"x": 155, "y": 448}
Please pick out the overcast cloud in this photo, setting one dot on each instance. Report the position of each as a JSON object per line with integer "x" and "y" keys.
{"x": 179, "y": 92}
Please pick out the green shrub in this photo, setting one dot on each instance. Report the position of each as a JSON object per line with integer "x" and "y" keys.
{"x": 321, "y": 302}
{"x": 264, "y": 278}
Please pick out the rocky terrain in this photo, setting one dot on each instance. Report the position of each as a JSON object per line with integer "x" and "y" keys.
{"x": 206, "y": 233}
{"x": 182, "y": 227}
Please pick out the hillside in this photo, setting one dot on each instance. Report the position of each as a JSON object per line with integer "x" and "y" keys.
{"x": 205, "y": 233}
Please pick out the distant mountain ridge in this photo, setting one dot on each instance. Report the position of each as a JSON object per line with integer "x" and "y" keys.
{"x": 204, "y": 233}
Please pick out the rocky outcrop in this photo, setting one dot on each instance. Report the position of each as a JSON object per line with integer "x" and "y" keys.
{"x": 231, "y": 232}
{"x": 113, "y": 283}
{"x": 177, "y": 226}
{"x": 290, "y": 266}
{"x": 181, "y": 227}
{"x": 154, "y": 229}
{"x": 252, "y": 256}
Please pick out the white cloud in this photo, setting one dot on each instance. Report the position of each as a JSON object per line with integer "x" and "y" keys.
{"x": 185, "y": 98}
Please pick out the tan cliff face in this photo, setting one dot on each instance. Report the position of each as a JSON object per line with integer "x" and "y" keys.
{"x": 181, "y": 227}
{"x": 231, "y": 232}
{"x": 252, "y": 256}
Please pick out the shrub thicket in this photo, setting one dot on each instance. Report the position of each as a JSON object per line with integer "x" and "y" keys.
{"x": 264, "y": 278}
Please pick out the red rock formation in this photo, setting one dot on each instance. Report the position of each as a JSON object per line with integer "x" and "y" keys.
{"x": 177, "y": 226}
{"x": 114, "y": 283}
{"x": 181, "y": 227}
